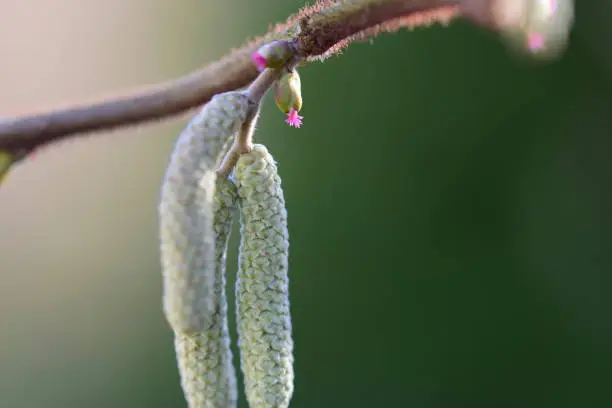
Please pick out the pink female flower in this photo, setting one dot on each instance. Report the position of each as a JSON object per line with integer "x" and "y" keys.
{"x": 293, "y": 119}
{"x": 259, "y": 60}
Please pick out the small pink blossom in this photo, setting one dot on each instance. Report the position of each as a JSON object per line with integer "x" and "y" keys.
{"x": 535, "y": 42}
{"x": 260, "y": 61}
{"x": 293, "y": 119}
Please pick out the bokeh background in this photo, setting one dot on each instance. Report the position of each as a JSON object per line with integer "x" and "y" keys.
{"x": 449, "y": 209}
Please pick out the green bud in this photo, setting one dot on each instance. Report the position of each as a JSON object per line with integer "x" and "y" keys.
{"x": 288, "y": 92}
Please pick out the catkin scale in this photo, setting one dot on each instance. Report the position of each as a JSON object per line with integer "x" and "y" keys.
{"x": 205, "y": 363}
{"x": 185, "y": 212}
{"x": 262, "y": 287}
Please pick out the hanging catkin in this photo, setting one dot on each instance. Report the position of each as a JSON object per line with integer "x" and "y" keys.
{"x": 205, "y": 359}
{"x": 185, "y": 210}
{"x": 262, "y": 288}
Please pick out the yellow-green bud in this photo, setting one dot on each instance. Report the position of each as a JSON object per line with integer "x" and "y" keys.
{"x": 288, "y": 92}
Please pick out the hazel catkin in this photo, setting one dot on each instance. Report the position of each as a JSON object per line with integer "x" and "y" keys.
{"x": 185, "y": 212}
{"x": 262, "y": 288}
{"x": 205, "y": 363}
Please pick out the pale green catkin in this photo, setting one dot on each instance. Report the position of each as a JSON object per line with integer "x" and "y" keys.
{"x": 208, "y": 377}
{"x": 185, "y": 212}
{"x": 262, "y": 288}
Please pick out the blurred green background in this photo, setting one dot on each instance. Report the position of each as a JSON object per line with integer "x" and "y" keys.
{"x": 448, "y": 205}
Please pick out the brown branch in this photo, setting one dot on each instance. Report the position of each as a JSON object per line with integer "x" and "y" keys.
{"x": 319, "y": 30}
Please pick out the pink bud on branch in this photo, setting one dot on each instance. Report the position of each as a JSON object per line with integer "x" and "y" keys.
{"x": 540, "y": 27}
{"x": 275, "y": 54}
{"x": 260, "y": 61}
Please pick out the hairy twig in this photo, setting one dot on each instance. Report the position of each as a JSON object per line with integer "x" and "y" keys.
{"x": 318, "y": 31}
